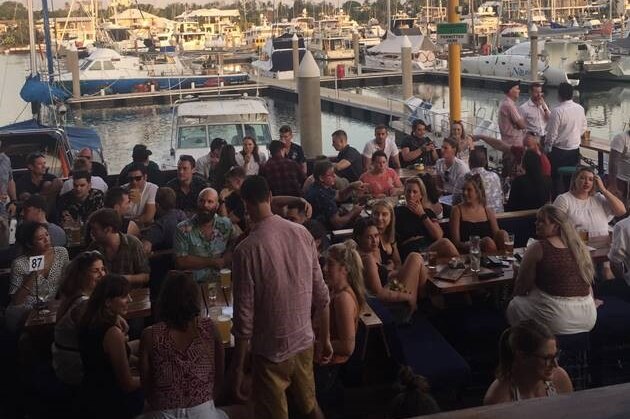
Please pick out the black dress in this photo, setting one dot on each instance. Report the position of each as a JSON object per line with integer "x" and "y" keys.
{"x": 478, "y": 228}
{"x": 410, "y": 225}
{"x": 101, "y": 395}
{"x": 527, "y": 193}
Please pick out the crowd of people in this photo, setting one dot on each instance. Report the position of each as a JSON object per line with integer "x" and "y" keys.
{"x": 297, "y": 298}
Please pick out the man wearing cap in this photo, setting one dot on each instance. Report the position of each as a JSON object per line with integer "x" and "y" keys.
{"x": 96, "y": 168}
{"x": 511, "y": 123}
{"x": 417, "y": 147}
{"x": 141, "y": 154}
{"x": 205, "y": 164}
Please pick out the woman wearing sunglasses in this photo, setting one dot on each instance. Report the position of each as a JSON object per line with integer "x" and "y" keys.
{"x": 528, "y": 365}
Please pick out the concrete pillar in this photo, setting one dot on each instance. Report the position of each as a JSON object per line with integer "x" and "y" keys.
{"x": 405, "y": 67}
{"x": 72, "y": 61}
{"x": 533, "y": 38}
{"x": 220, "y": 63}
{"x": 309, "y": 106}
{"x": 355, "y": 47}
{"x": 295, "y": 46}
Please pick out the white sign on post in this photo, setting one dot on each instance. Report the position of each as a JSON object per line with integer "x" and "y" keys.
{"x": 36, "y": 263}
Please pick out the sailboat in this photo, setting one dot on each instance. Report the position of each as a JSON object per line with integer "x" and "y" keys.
{"x": 58, "y": 143}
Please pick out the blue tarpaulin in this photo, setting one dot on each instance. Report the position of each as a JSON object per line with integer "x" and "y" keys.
{"x": 78, "y": 137}
{"x": 35, "y": 90}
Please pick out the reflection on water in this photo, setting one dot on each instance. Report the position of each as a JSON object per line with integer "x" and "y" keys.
{"x": 607, "y": 110}
{"x": 121, "y": 128}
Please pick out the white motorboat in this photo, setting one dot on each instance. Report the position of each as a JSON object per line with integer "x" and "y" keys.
{"x": 196, "y": 122}
{"x": 276, "y": 57}
{"x": 105, "y": 69}
{"x": 386, "y": 55}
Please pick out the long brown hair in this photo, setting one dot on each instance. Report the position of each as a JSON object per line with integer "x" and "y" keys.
{"x": 75, "y": 278}
{"x": 96, "y": 313}
{"x": 254, "y": 151}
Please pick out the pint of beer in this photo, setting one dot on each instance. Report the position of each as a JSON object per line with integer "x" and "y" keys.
{"x": 224, "y": 326}
{"x": 134, "y": 195}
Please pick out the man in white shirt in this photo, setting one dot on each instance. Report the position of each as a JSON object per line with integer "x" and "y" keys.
{"x": 535, "y": 112}
{"x": 80, "y": 165}
{"x": 382, "y": 142}
{"x": 619, "y": 256}
{"x": 619, "y": 166}
{"x": 141, "y": 194}
{"x": 567, "y": 123}
{"x": 491, "y": 182}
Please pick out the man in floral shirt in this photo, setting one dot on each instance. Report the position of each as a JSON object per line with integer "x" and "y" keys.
{"x": 203, "y": 244}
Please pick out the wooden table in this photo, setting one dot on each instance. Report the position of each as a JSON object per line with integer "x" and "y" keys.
{"x": 603, "y": 403}
{"x": 406, "y": 173}
{"x": 468, "y": 282}
{"x": 139, "y": 307}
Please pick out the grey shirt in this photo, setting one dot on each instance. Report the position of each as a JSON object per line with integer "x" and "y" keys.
{"x": 57, "y": 235}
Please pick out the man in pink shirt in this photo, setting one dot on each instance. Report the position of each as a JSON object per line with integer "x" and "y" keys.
{"x": 511, "y": 123}
{"x": 279, "y": 299}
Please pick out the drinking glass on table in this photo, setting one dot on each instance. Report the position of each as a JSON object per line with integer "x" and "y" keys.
{"x": 509, "y": 245}
{"x": 212, "y": 293}
{"x": 475, "y": 254}
{"x": 432, "y": 260}
{"x": 583, "y": 233}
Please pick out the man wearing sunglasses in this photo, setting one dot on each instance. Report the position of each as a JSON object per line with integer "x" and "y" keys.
{"x": 141, "y": 194}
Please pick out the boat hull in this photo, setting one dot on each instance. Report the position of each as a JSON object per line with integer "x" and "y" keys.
{"x": 142, "y": 84}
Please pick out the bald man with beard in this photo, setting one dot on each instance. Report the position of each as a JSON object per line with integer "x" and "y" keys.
{"x": 203, "y": 244}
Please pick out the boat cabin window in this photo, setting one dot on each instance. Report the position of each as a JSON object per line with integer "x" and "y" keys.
{"x": 108, "y": 65}
{"x": 193, "y": 137}
{"x": 96, "y": 66}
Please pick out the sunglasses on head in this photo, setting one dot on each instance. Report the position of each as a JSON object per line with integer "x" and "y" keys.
{"x": 136, "y": 178}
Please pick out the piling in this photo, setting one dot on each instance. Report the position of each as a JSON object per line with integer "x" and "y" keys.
{"x": 309, "y": 106}
{"x": 72, "y": 61}
{"x": 296, "y": 55}
{"x": 533, "y": 38}
{"x": 405, "y": 67}
{"x": 355, "y": 47}
{"x": 454, "y": 68}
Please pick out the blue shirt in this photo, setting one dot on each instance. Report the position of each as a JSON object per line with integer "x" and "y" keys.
{"x": 322, "y": 199}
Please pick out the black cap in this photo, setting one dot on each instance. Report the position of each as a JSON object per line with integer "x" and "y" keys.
{"x": 140, "y": 151}
{"x": 507, "y": 86}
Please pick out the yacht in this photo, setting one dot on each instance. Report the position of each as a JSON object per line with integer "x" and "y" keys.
{"x": 386, "y": 55}
{"x": 332, "y": 39}
{"x": 276, "y": 57}
{"x": 197, "y": 121}
{"x": 513, "y": 34}
{"x": 107, "y": 70}
{"x": 189, "y": 36}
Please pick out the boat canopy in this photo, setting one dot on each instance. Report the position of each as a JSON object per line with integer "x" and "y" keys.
{"x": 78, "y": 138}
{"x": 392, "y": 44}
{"x": 221, "y": 108}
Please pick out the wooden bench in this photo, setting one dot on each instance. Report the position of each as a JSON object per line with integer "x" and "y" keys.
{"x": 370, "y": 320}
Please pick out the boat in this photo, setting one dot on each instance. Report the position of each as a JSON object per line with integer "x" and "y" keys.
{"x": 386, "y": 55}
{"x": 511, "y": 35}
{"x": 276, "y": 58}
{"x": 60, "y": 145}
{"x": 332, "y": 40}
{"x": 196, "y": 122}
{"x": 107, "y": 70}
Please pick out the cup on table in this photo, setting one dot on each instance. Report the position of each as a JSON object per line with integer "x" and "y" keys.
{"x": 73, "y": 234}
{"x": 432, "y": 257}
{"x": 212, "y": 292}
{"x": 509, "y": 245}
{"x": 224, "y": 326}
{"x": 134, "y": 195}
{"x": 225, "y": 278}
{"x": 583, "y": 233}
{"x": 586, "y": 137}
{"x": 215, "y": 312}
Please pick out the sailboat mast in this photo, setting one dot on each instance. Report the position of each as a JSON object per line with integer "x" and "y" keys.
{"x": 389, "y": 16}
{"x": 31, "y": 36}
{"x": 49, "y": 57}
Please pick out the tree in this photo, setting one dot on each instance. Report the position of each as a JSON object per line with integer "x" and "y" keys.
{"x": 11, "y": 10}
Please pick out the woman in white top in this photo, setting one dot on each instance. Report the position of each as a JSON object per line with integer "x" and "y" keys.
{"x": 250, "y": 158}
{"x": 589, "y": 204}
{"x": 464, "y": 141}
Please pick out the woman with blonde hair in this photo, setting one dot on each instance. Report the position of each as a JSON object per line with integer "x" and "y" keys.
{"x": 343, "y": 272}
{"x": 464, "y": 141}
{"x": 473, "y": 218}
{"x": 417, "y": 227}
{"x": 385, "y": 220}
{"x": 554, "y": 281}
